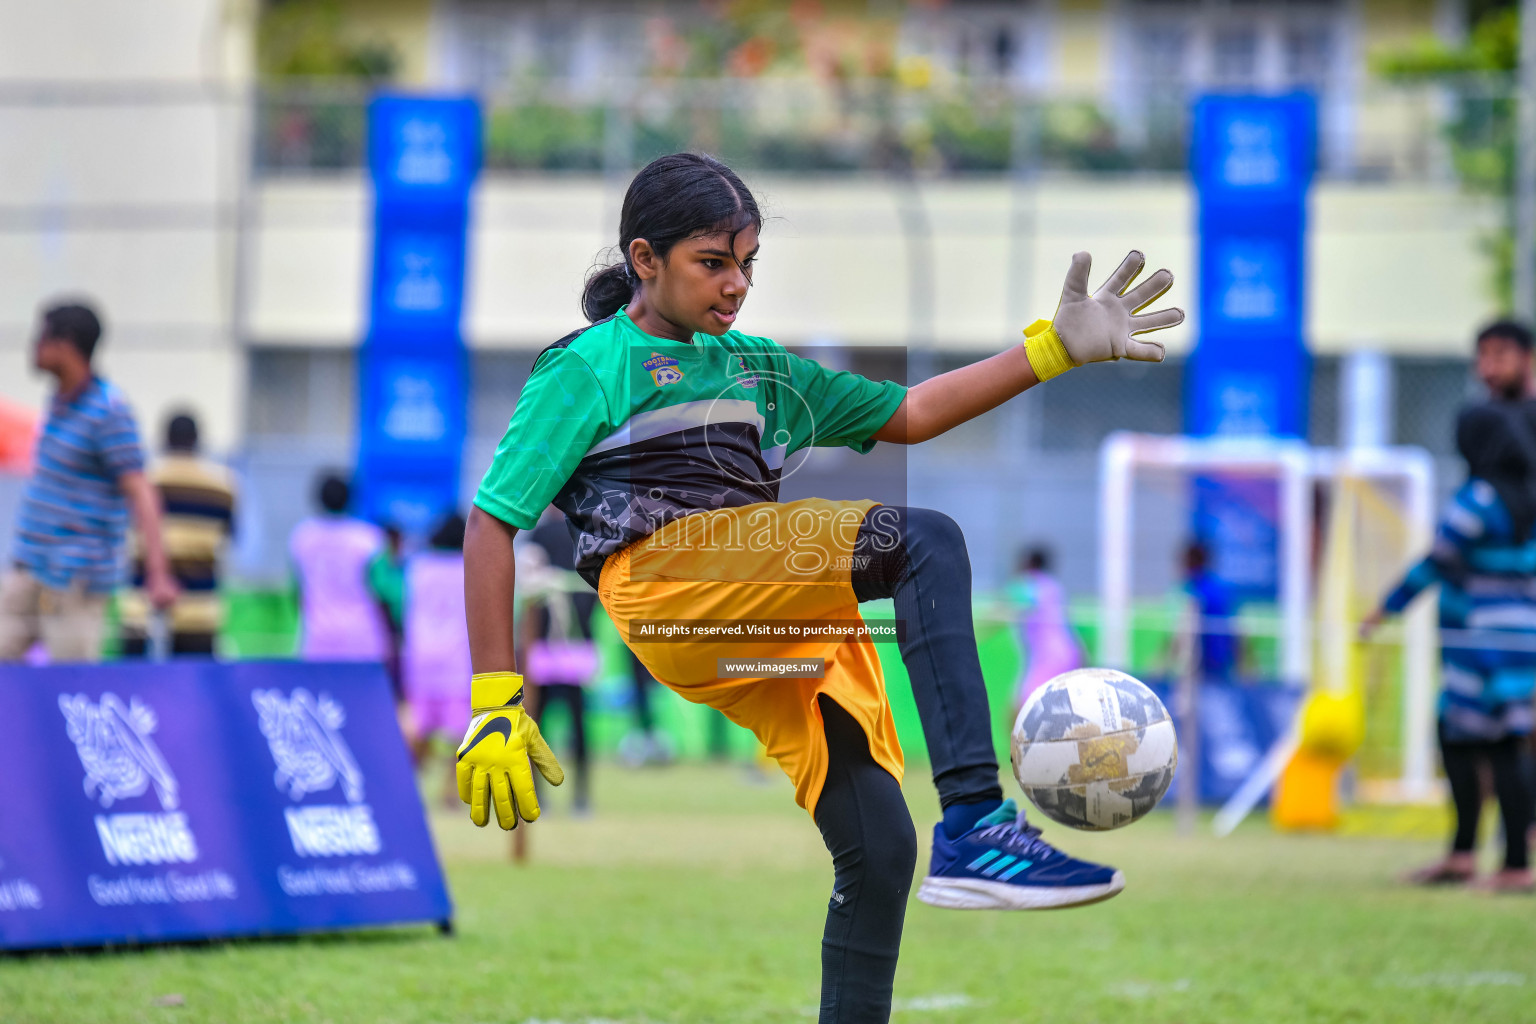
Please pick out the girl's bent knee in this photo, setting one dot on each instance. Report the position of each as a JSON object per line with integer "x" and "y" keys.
{"x": 890, "y": 858}
{"x": 929, "y": 527}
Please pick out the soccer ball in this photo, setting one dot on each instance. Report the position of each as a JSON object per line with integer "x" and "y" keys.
{"x": 1094, "y": 749}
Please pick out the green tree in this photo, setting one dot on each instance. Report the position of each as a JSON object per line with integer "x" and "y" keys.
{"x": 309, "y": 39}
{"x": 1481, "y": 132}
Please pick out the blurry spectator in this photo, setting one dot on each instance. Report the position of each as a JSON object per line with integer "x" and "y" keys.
{"x": 339, "y": 618}
{"x": 1504, "y": 366}
{"x": 386, "y": 582}
{"x": 435, "y": 657}
{"x": 1504, "y": 360}
{"x": 649, "y": 745}
{"x": 198, "y": 501}
{"x": 88, "y": 474}
{"x": 559, "y": 656}
{"x": 1046, "y": 639}
{"x": 1217, "y": 647}
{"x": 1484, "y": 561}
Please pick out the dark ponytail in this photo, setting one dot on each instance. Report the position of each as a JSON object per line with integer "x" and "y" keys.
{"x": 607, "y": 291}
{"x": 672, "y": 198}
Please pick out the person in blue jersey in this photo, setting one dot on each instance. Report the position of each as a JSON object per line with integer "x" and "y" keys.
{"x": 1484, "y": 561}
{"x": 70, "y": 531}
{"x": 661, "y": 432}
{"x": 1213, "y": 599}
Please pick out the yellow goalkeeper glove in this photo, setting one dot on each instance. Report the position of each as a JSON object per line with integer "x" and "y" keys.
{"x": 1101, "y": 327}
{"x": 493, "y": 761}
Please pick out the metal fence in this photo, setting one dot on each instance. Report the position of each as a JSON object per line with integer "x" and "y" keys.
{"x": 1368, "y": 130}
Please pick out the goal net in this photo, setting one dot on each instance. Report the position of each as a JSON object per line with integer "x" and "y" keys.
{"x": 1325, "y": 533}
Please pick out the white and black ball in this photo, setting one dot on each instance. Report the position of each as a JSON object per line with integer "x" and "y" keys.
{"x": 1094, "y": 749}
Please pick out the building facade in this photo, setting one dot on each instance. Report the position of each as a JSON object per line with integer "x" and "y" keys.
{"x": 928, "y": 207}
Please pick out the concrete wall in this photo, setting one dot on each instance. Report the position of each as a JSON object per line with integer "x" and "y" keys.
{"x": 121, "y": 138}
{"x": 1395, "y": 267}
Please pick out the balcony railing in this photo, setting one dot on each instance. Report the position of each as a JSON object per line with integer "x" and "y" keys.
{"x": 1367, "y": 131}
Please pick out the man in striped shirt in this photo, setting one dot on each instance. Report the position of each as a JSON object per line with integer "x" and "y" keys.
{"x": 88, "y": 473}
{"x": 197, "y": 498}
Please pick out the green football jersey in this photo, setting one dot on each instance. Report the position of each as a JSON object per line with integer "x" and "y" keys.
{"x": 625, "y": 432}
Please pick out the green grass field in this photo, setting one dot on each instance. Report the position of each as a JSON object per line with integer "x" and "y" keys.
{"x": 695, "y": 895}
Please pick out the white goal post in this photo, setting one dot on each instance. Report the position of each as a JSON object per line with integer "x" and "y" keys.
{"x": 1297, "y": 467}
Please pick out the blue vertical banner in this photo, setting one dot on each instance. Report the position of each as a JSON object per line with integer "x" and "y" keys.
{"x": 423, "y": 156}
{"x": 1249, "y": 375}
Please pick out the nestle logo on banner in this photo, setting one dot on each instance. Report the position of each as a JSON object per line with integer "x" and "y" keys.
{"x": 146, "y": 838}
{"x": 303, "y": 734}
{"x": 329, "y": 831}
{"x": 121, "y": 762}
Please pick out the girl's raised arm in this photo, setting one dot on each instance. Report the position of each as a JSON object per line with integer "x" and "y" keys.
{"x": 1095, "y": 328}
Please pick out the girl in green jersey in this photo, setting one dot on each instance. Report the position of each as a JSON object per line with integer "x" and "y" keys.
{"x": 661, "y": 432}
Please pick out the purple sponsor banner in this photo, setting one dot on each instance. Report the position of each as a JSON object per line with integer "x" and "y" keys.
{"x": 1239, "y": 722}
{"x": 192, "y": 800}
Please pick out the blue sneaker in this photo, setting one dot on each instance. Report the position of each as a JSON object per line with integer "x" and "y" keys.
{"x": 1003, "y": 864}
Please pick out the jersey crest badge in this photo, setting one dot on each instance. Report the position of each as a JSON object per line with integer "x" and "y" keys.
{"x": 663, "y": 369}
{"x": 746, "y": 378}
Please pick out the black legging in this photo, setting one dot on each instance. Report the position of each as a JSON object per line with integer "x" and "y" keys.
{"x": 917, "y": 557}
{"x": 574, "y": 699}
{"x": 1461, "y": 771}
{"x": 868, "y": 831}
{"x": 641, "y": 691}
{"x": 136, "y": 646}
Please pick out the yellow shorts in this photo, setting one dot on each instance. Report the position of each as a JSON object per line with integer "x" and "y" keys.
{"x": 763, "y": 562}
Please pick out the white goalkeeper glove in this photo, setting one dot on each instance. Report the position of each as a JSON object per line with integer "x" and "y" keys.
{"x": 1101, "y": 327}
